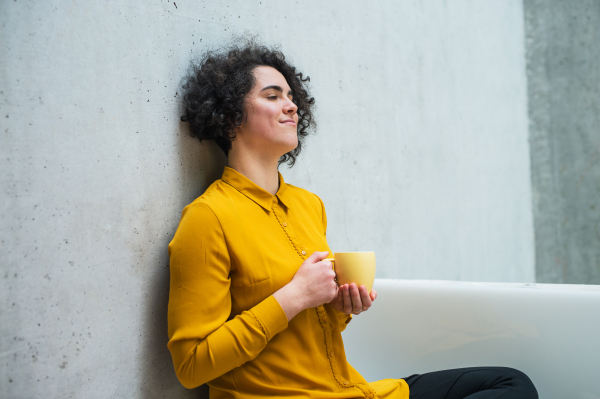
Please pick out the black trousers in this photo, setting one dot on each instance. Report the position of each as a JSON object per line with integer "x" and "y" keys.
{"x": 472, "y": 383}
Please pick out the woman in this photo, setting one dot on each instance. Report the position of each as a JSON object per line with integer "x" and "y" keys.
{"x": 254, "y": 309}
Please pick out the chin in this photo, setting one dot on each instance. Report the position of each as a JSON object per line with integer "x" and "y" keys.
{"x": 293, "y": 146}
{"x": 287, "y": 143}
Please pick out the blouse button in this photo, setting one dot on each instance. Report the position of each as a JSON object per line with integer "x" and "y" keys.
{"x": 284, "y": 224}
{"x": 331, "y": 354}
{"x": 303, "y": 252}
{"x": 345, "y": 382}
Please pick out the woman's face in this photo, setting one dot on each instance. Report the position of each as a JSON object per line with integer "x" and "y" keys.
{"x": 270, "y": 126}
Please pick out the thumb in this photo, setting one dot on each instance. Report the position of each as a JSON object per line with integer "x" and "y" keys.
{"x": 317, "y": 256}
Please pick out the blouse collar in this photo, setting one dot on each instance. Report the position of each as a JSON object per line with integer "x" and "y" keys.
{"x": 256, "y": 193}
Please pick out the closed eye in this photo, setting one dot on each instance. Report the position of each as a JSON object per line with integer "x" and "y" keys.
{"x": 276, "y": 88}
{"x": 276, "y": 97}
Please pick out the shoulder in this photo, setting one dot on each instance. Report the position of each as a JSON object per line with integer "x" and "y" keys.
{"x": 199, "y": 216}
{"x": 199, "y": 209}
{"x": 203, "y": 205}
{"x": 308, "y": 203}
{"x": 218, "y": 195}
{"x": 305, "y": 197}
{"x": 199, "y": 225}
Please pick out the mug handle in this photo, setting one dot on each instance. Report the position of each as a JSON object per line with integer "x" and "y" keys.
{"x": 332, "y": 262}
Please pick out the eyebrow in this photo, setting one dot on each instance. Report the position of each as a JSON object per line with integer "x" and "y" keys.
{"x": 275, "y": 87}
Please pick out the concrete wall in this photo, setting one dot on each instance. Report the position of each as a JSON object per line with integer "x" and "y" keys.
{"x": 563, "y": 69}
{"x": 421, "y": 155}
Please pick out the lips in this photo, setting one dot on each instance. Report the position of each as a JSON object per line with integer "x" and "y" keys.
{"x": 290, "y": 122}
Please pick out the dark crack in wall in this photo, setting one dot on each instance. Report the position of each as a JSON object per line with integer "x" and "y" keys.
{"x": 563, "y": 71}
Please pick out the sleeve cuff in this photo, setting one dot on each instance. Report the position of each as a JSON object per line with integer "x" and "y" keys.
{"x": 271, "y": 316}
{"x": 343, "y": 318}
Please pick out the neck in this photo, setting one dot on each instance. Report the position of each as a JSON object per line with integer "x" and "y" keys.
{"x": 262, "y": 171}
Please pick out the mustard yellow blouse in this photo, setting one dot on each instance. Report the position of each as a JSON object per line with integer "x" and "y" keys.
{"x": 235, "y": 246}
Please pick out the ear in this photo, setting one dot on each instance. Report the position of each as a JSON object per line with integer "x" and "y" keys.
{"x": 237, "y": 130}
{"x": 234, "y": 127}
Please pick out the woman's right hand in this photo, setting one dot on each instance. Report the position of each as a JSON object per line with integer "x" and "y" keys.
{"x": 313, "y": 285}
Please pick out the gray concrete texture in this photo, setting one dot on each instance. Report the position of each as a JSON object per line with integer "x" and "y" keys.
{"x": 421, "y": 155}
{"x": 563, "y": 68}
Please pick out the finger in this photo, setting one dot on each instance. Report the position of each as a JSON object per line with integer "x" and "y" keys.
{"x": 338, "y": 301}
{"x": 364, "y": 296}
{"x": 356, "y": 301}
{"x": 373, "y": 295}
{"x": 328, "y": 263}
{"x": 347, "y": 300}
{"x": 331, "y": 274}
{"x": 317, "y": 256}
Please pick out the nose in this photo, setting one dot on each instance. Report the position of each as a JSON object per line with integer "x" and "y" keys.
{"x": 289, "y": 107}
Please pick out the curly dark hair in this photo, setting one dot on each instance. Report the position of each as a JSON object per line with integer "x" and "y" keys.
{"x": 216, "y": 86}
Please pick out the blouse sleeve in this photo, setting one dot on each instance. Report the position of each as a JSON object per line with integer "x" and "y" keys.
{"x": 204, "y": 344}
{"x": 343, "y": 318}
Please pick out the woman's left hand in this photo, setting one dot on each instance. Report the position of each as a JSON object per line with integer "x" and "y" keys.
{"x": 353, "y": 299}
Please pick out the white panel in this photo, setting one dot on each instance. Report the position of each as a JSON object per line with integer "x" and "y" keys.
{"x": 550, "y": 332}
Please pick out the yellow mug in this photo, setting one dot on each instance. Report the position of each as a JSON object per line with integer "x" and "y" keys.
{"x": 354, "y": 267}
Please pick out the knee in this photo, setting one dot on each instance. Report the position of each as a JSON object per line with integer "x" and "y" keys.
{"x": 521, "y": 382}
